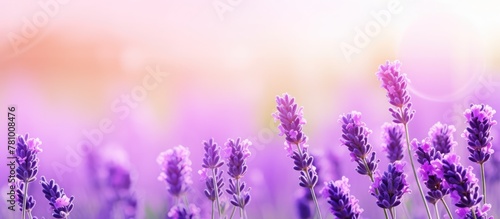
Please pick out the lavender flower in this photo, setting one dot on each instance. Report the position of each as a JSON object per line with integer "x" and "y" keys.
{"x": 180, "y": 211}
{"x": 391, "y": 186}
{"x": 58, "y": 201}
{"x": 355, "y": 138}
{"x": 481, "y": 213}
{"x": 176, "y": 170}
{"x": 214, "y": 183}
{"x": 209, "y": 182}
{"x": 211, "y": 159}
{"x": 236, "y": 153}
{"x": 393, "y": 141}
{"x": 425, "y": 154}
{"x": 342, "y": 204}
{"x": 479, "y": 120}
{"x": 461, "y": 181}
{"x": 395, "y": 83}
{"x": 303, "y": 209}
{"x": 30, "y": 201}
{"x": 441, "y": 136}
{"x": 26, "y": 158}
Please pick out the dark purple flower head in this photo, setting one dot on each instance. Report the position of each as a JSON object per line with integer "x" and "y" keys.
{"x": 240, "y": 197}
{"x": 30, "y": 201}
{"x": 479, "y": 123}
{"x": 441, "y": 137}
{"x": 303, "y": 208}
{"x": 395, "y": 83}
{"x": 291, "y": 120}
{"x": 236, "y": 153}
{"x": 176, "y": 169}
{"x": 355, "y": 138}
{"x": 391, "y": 186}
{"x": 211, "y": 159}
{"x": 392, "y": 135}
{"x": 26, "y": 158}
{"x": 58, "y": 201}
{"x": 480, "y": 212}
{"x": 424, "y": 151}
{"x": 209, "y": 182}
{"x": 461, "y": 181}
{"x": 342, "y": 204}
{"x": 180, "y": 211}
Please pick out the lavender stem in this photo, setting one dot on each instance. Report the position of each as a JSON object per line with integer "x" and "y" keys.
{"x": 447, "y": 208}
{"x": 232, "y": 213}
{"x": 392, "y": 213}
{"x": 483, "y": 182}
{"x": 313, "y": 193}
{"x": 413, "y": 168}
{"x": 473, "y": 213}
{"x": 213, "y": 216}
{"x": 25, "y": 197}
{"x": 370, "y": 174}
{"x": 437, "y": 211}
{"x": 216, "y": 191}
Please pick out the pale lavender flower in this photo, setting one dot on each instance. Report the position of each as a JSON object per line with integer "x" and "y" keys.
{"x": 391, "y": 186}
{"x": 392, "y": 136}
{"x": 236, "y": 153}
{"x": 479, "y": 121}
{"x": 60, "y": 203}
{"x": 180, "y": 211}
{"x": 395, "y": 83}
{"x": 176, "y": 170}
{"x": 343, "y": 205}
{"x": 441, "y": 137}
{"x": 355, "y": 138}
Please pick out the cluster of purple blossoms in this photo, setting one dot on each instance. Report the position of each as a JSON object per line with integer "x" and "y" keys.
{"x": 291, "y": 121}
{"x": 461, "y": 181}
{"x": 390, "y": 187}
{"x": 441, "y": 136}
{"x": 392, "y": 136}
{"x": 480, "y": 213}
{"x": 236, "y": 153}
{"x": 479, "y": 121}
{"x": 27, "y": 158}
{"x": 395, "y": 83}
{"x": 211, "y": 163}
{"x": 21, "y": 195}
{"x": 343, "y": 205}
{"x": 180, "y": 211}
{"x": 58, "y": 201}
{"x": 176, "y": 170}
{"x": 355, "y": 138}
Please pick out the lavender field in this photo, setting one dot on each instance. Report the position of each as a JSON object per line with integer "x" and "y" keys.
{"x": 250, "y": 109}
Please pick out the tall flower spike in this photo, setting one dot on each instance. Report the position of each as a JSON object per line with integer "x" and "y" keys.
{"x": 176, "y": 170}
{"x": 209, "y": 182}
{"x": 58, "y": 201}
{"x": 26, "y": 158}
{"x": 30, "y": 201}
{"x": 461, "y": 181}
{"x": 236, "y": 153}
{"x": 441, "y": 136}
{"x": 343, "y": 205}
{"x": 211, "y": 159}
{"x": 355, "y": 138}
{"x": 395, "y": 83}
{"x": 393, "y": 141}
{"x": 479, "y": 123}
{"x": 392, "y": 185}
{"x": 291, "y": 121}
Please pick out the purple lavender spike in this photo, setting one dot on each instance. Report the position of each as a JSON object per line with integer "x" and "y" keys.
{"x": 236, "y": 153}
{"x": 60, "y": 203}
{"x": 176, "y": 170}
{"x": 343, "y": 205}
{"x": 391, "y": 186}
{"x": 393, "y": 141}
{"x": 441, "y": 136}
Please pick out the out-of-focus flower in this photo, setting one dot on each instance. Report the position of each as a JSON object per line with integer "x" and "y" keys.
{"x": 441, "y": 137}
{"x": 355, "y": 138}
{"x": 58, "y": 201}
{"x": 391, "y": 186}
{"x": 303, "y": 209}
{"x": 479, "y": 123}
{"x": 392, "y": 136}
{"x": 480, "y": 212}
{"x": 342, "y": 204}
{"x": 176, "y": 170}
{"x": 395, "y": 82}
{"x": 180, "y": 211}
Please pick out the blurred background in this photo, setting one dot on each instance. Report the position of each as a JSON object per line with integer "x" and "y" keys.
{"x": 114, "y": 83}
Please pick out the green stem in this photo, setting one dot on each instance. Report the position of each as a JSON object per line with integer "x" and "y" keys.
{"x": 370, "y": 174}
{"x": 436, "y": 210}
{"x": 25, "y": 197}
{"x": 483, "y": 179}
{"x": 447, "y": 208}
{"x": 313, "y": 193}
{"x": 216, "y": 191}
{"x": 410, "y": 154}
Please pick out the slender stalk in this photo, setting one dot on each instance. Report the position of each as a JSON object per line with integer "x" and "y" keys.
{"x": 29, "y": 215}
{"x": 483, "y": 179}
{"x": 447, "y": 208}
{"x": 238, "y": 190}
{"x": 232, "y": 213}
{"x": 473, "y": 213}
{"x": 370, "y": 174}
{"x": 436, "y": 210}
{"x": 313, "y": 193}
{"x": 216, "y": 191}
{"x": 410, "y": 154}
{"x": 25, "y": 197}
{"x": 392, "y": 213}
{"x": 213, "y": 216}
